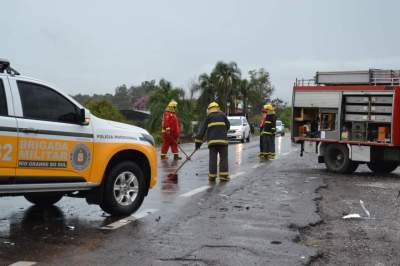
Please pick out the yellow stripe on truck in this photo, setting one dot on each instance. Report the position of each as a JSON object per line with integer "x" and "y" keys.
{"x": 101, "y": 154}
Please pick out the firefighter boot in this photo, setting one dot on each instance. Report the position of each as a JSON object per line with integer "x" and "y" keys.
{"x": 224, "y": 177}
{"x": 176, "y": 157}
{"x": 212, "y": 178}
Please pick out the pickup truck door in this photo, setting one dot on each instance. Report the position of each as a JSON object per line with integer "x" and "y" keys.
{"x": 52, "y": 145}
{"x": 8, "y": 133}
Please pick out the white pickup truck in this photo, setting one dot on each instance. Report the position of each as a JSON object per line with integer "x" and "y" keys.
{"x": 51, "y": 146}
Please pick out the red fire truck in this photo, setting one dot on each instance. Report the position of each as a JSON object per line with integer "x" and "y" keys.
{"x": 349, "y": 118}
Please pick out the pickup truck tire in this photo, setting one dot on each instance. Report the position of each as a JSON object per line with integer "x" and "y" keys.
{"x": 243, "y": 138}
{"x": 337, "y": 159}
{"x": 43, "y": 199}
{"x": 248, "y": 138}
{"x": 124, "y": 189}
{"x": 382, "y": 167}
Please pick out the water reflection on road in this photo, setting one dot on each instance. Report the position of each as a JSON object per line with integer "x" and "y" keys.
{"x": 72, "y": 220}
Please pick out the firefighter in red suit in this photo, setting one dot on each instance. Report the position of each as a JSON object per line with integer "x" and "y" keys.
{"x": 170, "y": 131}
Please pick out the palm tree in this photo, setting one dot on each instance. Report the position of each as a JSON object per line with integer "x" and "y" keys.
{"x": 208, "y": 93}
{"x": 245, "y": 92}
{"x": 225, "y": 77}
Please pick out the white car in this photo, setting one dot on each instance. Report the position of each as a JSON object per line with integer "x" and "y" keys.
{"x": 239, "y": 130}
{"x": 280, "y": 128}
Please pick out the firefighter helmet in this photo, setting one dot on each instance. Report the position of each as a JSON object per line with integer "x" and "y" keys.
{"x": 172, "y": 104}
{"x": 213, "y": 105}
{"x": 268, "y": 107}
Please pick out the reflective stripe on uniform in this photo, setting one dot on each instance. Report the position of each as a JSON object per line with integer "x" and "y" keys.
{"x": 267, "y": 133}
{"x": 198, "y": 141}
{"x": 213, "y": 124}
{"x": 224, "y": 174}
{"x": 268, "y": 122}
{"x": 217, "y": 141}
{"x": 212, "y": 175}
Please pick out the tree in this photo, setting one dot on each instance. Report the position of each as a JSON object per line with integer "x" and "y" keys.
{"x": 104, "y": 109}
{"x": 136, "y": 93}
{"x": 260, "y": 89}
{"x": 225, "y": 78}
{"x": 121, "y": 98}
{"x": 207, "y": 91}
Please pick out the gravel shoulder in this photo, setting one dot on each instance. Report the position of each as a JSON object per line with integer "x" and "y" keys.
{"x": 369, "y": 240}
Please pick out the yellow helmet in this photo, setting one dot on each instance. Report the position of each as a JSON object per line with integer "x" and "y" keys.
{"x": 268, "y": 107}
{"x": 172, "y": 104}
{"x": 213, "y": 105}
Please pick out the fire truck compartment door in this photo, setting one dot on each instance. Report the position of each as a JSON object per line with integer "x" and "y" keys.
{"x": 321, "y": 99}
{"x": 360, "y": 153}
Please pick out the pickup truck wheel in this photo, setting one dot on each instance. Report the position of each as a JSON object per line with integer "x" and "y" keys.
{"x": 248, "y": 138}
{"x": 124, "y": 189}
{"x": 337, "y": 159}
{"x": 382, "y": 167}
{"x": 43, "y": 199}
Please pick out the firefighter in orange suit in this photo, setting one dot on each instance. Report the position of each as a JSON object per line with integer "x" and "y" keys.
{"x": 170, "y": 131}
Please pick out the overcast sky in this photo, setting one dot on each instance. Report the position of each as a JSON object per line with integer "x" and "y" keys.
{"x": 93, "y": 46}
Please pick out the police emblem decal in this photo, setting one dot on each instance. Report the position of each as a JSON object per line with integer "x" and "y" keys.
{"x": 80, "y": 157}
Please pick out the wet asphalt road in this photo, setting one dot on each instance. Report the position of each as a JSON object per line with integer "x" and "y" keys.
{"x": 252, "y": 220}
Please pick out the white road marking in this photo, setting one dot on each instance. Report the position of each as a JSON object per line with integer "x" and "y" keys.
{"x": 256, "y": 165}
{"x": 203, "y": 188}
{"x": 23, "y": 263}
{"x": 194, "y": 191}
{"x": 127, "y": 220}
{"x": 237, "y": 175}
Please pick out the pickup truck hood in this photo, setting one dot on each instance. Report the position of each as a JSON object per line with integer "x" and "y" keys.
{"x": 103, "y": 126}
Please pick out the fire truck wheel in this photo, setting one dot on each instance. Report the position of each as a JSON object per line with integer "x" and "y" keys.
{"x": 337, "y": 159}
{"x": 382, "y": 167}
{"x": 124, "y": 189}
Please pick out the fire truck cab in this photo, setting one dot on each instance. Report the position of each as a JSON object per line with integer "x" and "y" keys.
{"x": 349, "y": 118}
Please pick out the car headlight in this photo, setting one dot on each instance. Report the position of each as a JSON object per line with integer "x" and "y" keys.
{"x": 148, "y": 138}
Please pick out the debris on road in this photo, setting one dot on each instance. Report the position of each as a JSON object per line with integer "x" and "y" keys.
{"x": 70, "y": 227}
{"x": 352, "y": 216}
{"x": 365, "y": 209}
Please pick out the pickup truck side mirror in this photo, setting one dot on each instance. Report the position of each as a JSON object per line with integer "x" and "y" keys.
{"x": 82, "y": 120}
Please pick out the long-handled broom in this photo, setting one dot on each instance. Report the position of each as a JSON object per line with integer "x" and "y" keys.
{"x": 174, "y": 175}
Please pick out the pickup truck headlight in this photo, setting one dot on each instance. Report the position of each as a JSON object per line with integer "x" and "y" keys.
{"x": 148, "y": 138}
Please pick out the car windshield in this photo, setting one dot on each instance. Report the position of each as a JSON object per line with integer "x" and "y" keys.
{"x": 235, "y": 122}
{"x": 278, "y": 123}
